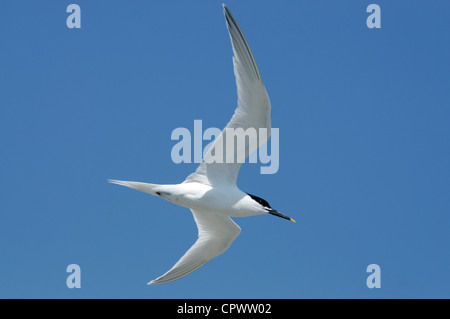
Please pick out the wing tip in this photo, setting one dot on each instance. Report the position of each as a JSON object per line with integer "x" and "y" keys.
{"x": 237, "y": 36}
{"x": 227, "y": 13}
{"x": 159, "y": 280}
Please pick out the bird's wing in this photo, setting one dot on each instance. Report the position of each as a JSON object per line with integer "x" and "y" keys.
{"x": 253, "y": 111}
{"x": 215, "y": 235}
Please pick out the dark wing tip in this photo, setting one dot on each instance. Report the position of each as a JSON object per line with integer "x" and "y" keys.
{"x": 240, "y": 45}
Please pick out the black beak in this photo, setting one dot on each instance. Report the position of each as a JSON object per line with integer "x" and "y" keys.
{"x": 277, "y": 213}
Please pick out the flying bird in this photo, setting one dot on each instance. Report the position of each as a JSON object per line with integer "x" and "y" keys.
{"x": 211, "y": 192}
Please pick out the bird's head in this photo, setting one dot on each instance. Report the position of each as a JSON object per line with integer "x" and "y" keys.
{"x": 266, "y": 207}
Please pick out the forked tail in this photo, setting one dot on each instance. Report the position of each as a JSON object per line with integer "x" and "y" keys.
{"x": 143, "y": 187}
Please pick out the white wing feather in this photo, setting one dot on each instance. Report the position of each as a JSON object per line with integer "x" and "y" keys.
{"x": 215, "y": 235}
{"x": 253, "y": 111}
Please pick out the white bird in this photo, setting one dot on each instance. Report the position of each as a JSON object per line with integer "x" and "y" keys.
{"x": 211, "y": 192}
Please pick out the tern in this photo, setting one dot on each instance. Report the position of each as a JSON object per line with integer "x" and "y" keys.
{"x": 211, "y": 192}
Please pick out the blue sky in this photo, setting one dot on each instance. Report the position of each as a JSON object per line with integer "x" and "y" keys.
{"x": 364, "y": 128}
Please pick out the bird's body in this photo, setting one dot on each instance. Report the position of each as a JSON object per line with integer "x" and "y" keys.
{"x": 211, "y": 192}
{"x": 227, "y": 200}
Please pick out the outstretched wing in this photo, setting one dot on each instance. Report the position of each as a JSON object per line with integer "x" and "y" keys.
{"x": 253, "y": 111}
{"x": 215, "y": 235}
